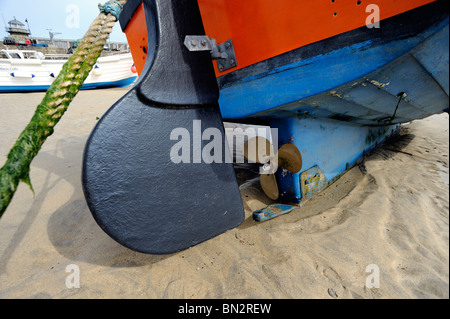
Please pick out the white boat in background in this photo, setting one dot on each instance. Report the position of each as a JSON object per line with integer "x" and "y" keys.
{"x": 32, "y": 71}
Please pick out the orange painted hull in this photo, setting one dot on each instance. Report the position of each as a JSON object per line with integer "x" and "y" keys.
{"x": 262, "y": 29}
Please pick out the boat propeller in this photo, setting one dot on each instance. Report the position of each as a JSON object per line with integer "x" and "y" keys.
{"x": 260, "y": 150}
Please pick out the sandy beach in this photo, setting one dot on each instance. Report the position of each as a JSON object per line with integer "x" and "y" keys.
{"x": 389, "y": 214}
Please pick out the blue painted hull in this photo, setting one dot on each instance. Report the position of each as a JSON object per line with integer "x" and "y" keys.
{"x": 333, "y": 85}
{"x": 328, "y": 147}
{"x": 337, "y": 104}
{"x": 86, "y": 86}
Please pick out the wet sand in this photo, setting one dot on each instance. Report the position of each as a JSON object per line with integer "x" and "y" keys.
{"x": 391, "y": 211}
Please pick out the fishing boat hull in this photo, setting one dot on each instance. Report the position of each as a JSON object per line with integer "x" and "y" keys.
{"x": 408, "y": 54}
{"x": 332, "y": 78}
{"x": 327, "y": 79}
{"x": 34, "y": 75}
{"x": 334, "y": 129}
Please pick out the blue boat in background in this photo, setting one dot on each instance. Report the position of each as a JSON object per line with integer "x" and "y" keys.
{"x": 31, "y": 71}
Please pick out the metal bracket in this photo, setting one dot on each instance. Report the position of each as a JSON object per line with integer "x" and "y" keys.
{"x": 222, "y": 53}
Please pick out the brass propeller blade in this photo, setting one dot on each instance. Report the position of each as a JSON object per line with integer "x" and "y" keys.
{"x": 258, "y": 150}
{"x": 290, "y": 158}
{"x": 269, "y": 185}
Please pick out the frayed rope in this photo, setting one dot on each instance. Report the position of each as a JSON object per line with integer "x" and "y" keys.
{"x": 113, "y": 7}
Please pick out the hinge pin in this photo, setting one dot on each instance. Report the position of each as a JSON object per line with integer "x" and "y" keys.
{"x": 223, "y": 52}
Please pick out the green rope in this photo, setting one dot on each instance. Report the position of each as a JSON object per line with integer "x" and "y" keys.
{"x": 54, "y": 104}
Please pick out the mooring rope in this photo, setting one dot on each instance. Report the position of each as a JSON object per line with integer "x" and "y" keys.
{"x": 56, "y": 101}
{"x": 113, "y": 7}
